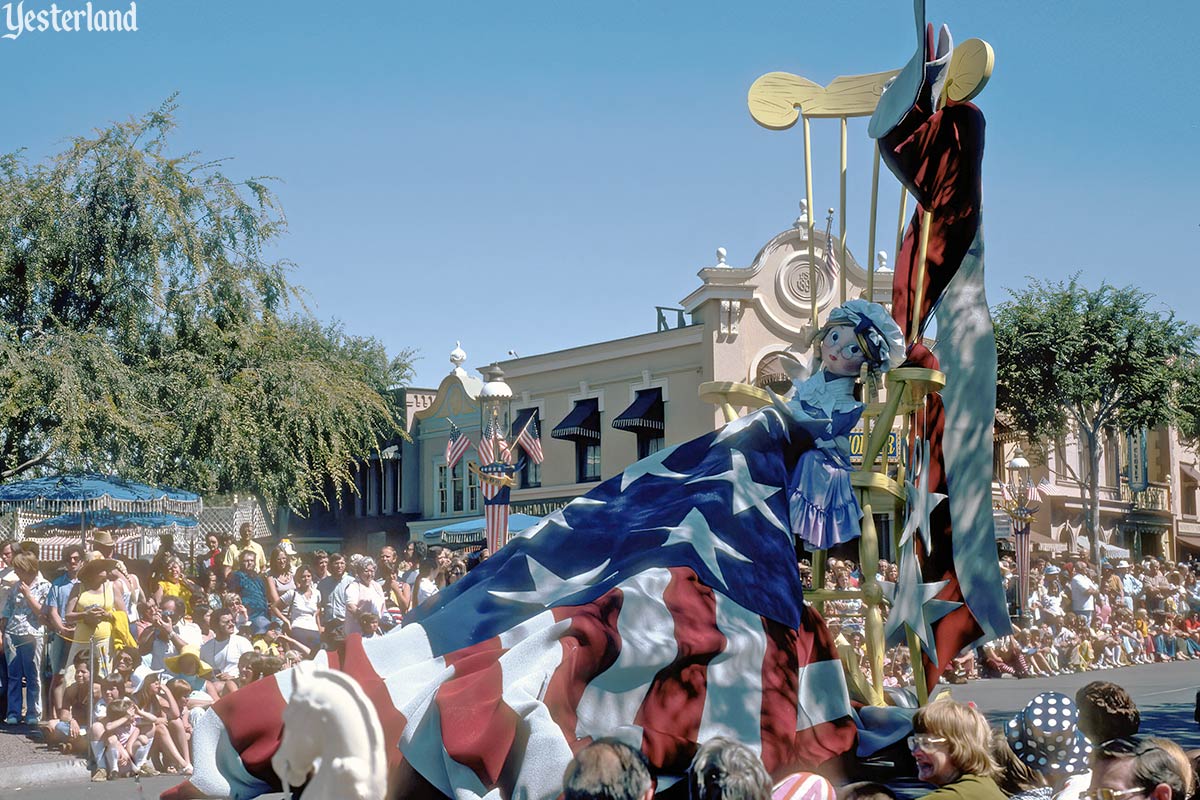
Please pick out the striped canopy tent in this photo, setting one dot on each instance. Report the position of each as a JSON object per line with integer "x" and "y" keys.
{"x": 60, "y": 494}
{"x": 139, "y": 539}
{"x": 50, "y": 548}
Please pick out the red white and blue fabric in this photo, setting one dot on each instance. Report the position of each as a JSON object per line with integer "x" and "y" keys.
{"x": 529, "y": 441}
{"x": 496, "y": 499}
{"x": 456, "y": 446}
{"x": 662, "y": 608}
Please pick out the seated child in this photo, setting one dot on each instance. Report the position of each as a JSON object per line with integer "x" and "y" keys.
{"x": 120, "y": 746}
{"x": 161, "y": 720}
{"x": 69, "y": 732}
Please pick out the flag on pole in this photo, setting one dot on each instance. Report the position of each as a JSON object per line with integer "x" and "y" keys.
{"x": 663, "y": 608}
{"x": 487, "y": 444}
{"x": 530, "y": 441}
{"x": 456, "y": 445}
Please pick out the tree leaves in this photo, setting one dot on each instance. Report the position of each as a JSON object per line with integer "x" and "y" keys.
{"x": 144, "y": 329}
{"x": 1072, "y": 360}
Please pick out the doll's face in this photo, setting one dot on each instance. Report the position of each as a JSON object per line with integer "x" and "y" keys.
{"x": 841, "y": 354}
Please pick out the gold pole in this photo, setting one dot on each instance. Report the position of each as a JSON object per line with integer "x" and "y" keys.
{"x": 808, "y": 194}
{"x": 842, "y": 222}
{"x": 868, "y": 558}
{"x": 900, "y": 226}
{"x": 871, "y": 234}
{"x": 818, "y": 575}
{"x": 922, "y": 251}
{"x": 918, "y": 666}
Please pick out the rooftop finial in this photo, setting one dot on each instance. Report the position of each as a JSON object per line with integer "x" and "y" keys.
{"x": 457, "y": 356}
{"x": 883, "y": 267}
{"x": 802, "y": 220}
{"x": 721, "y": 257}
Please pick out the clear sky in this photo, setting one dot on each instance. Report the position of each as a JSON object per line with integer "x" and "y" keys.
{"x": 539, "y": 175}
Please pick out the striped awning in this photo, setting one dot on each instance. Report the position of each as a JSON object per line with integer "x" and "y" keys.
{"x": 645, "y": 413}
{"x": 582, "y": 424}
{"x": 50, "y": 548}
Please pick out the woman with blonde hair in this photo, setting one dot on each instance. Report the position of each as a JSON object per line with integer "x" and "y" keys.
{"x": 951, "y": 744}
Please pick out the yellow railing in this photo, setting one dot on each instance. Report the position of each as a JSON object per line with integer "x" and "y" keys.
{"x": 907, "y": 388}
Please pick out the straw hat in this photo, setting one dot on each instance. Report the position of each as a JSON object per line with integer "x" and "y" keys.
{"x": 173, "y": 662}
{"x": 1045, "y": 735}
{"x": 94, "y": 564}
{"x": 103, "y": 537}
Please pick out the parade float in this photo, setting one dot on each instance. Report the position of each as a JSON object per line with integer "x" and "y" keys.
{"x": 664, "y": 607}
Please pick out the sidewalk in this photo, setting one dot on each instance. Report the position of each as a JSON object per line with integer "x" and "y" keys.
{"x": 27, "y": 762}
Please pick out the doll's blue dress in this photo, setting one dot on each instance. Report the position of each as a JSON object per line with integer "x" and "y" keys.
{"x": 822, "y": 505}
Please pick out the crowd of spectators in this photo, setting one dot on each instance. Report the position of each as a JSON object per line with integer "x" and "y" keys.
{"x": 1076, "y": 619}
{"x": 116, "y": 662}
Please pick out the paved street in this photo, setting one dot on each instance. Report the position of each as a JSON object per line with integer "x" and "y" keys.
{"x": 1165, "y": 693}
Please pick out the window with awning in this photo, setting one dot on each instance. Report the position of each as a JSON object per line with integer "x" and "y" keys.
{"x": 644, "y": 417}
{"x": 582, "y": 424}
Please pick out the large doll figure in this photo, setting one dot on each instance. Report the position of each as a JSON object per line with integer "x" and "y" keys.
{"x": 822, "y": 504}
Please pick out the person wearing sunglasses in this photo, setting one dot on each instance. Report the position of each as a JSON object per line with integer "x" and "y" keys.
{"x": 951, "y": 744}
{"x": 1140, "y": 767}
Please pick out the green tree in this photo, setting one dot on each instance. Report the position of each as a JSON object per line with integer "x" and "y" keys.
{"x": 146, "y": 330}
{"x": 1075, "y": 360}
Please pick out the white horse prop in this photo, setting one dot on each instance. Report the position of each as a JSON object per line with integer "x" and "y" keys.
{"x": 332, "y": 740}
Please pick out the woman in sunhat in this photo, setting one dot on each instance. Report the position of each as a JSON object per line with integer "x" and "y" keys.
{"x": 1042, "y": 748}
{"x": 92, "y": 608}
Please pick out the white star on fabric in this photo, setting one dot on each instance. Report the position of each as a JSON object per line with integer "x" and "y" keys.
{"x": 913, "y": 604}
{"x": 550, "y": 588}
{"x": 921, "y": 502}
{"x": 695, "y": 532}
{"x": 742, "y": 423}
{"x": 557, "y": 518}
{"x": 747, "y": 493}
{"x": 650, "y": 465}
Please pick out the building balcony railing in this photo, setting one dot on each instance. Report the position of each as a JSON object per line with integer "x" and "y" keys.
{"x": 1154, "y": 498}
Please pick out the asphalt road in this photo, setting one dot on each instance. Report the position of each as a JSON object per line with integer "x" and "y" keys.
{"x": 1165, "y": 694}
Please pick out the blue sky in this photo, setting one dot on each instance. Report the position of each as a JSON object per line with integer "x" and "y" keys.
{"x": 538, "y": 175}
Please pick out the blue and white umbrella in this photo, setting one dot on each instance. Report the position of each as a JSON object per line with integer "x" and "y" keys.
{"x": 89, "y": 493}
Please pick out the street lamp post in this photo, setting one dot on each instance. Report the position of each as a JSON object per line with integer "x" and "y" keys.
{"x": 1020, "y": 500}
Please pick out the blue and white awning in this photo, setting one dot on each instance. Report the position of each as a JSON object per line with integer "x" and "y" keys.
{"x": 644, "y": 415}
{"x": 582, "y": 424}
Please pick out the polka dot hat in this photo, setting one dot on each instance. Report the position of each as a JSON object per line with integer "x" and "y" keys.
{"x": 1045, "y": 735}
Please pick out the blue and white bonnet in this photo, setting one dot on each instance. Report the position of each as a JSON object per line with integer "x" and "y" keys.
{"x": 875, "y": 327}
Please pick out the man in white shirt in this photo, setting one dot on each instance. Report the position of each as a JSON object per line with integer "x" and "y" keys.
{"x": 1083, "y": 593}
{"x": 169, "y": 633}
{"x": 226, "y": 648}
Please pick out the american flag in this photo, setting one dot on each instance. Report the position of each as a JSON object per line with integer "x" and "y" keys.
{"x": 496, "y": 506}
{"x": 456, "y": 446}
{"x": 662, "y": 608}
{"x": 487, "y": 451}
{"x": 530, "y": 441}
